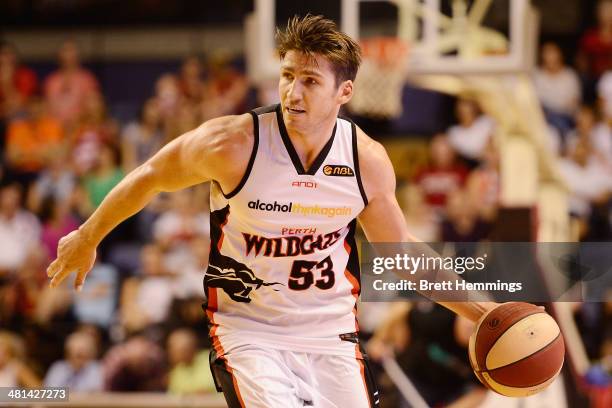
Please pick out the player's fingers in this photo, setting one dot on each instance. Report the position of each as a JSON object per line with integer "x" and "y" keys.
{"x": 53, "y": 268}
{"x": 80, "y": 279}
{"x": 59, "y": 277}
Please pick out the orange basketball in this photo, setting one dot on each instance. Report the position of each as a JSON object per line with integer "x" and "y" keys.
{"x": 516, "y": 349}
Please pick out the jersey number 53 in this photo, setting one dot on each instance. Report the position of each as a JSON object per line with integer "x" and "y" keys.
{"x": 303, "y": 274}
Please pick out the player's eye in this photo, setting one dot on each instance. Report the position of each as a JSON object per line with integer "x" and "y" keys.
{"x": 287, "y": 75}
{"x": 311, "y": 81}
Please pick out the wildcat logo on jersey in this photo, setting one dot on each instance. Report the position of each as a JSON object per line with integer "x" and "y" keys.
{"x": 337, "y": 170}
{"x": 289, "y": 246}
{"x": 235, "y": 278}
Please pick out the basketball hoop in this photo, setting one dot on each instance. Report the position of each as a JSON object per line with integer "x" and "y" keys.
{"x": 380, "y": 80}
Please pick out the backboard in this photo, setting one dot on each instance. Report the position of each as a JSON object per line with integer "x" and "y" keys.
{"x": 460, "y": 37}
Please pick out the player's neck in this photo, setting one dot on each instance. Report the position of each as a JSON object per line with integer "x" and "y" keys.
{"x": 309, "y": 142}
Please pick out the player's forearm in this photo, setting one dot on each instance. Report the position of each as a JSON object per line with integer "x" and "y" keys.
{"x": 469, "y": 304}
{"x": 128, "y": 197}
{"x": 469, "y": 310}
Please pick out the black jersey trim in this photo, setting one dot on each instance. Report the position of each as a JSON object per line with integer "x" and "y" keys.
{"x": 247, "y": 172}
{"x": 295, "y": 158}
{"x": 353, "y": 265}
{"x": 356, "y": 163}
{"x": 264, "y": 109}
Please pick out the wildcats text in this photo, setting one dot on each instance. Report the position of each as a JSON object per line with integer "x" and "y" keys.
{"x": 290, "y": 245}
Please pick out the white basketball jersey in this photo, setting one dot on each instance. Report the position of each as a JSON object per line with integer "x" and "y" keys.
{"x": 284, "y": 269}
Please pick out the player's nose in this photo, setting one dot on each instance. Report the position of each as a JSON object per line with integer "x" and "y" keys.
{"x": 294, "y": 93}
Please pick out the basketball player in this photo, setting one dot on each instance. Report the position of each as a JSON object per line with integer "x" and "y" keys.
{"x": 288, "y": 183}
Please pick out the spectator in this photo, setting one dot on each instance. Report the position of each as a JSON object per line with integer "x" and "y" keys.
{"x": 595, "y": 51}
{"x": 31, "y": 140}
{"x": 22, "y": 298}
{"x": 106, "y": 175}
{"x": 190, "y": 275}
{"x": 186, "y": 118}
{"x": 19, "y": 230}
{"x": 54, "y": 309}
{"x": 13, "y": 370}
{"x": 140, "y": 140}
{"x": 169, "y": 97}
{"x": 156, "y": 282}
{"x": 463, "y": 222}
{"x": 176, "y": 228}
{"x": 96, "y": 302}
{"x": 483, "y": 184}
{"x": 226, "y": 89}
{"x": 191, "y": 83}
{"x": 190, "y": 370}
{"x": 602, "y": 134}
{"x": 586, "y": 178}
{"x": 557, "y": 86}
{"x": 68, "y": 88}
{"x": 56, "y": 182}
{"x": 586, "y": 121}
{"x": 443, "y": 176}
{"x": 80, "y": 371}
{"x": 470, "y": 136}
{"x": 57, "y": 222}
{"x": 17, "y": 82}
{"x": 92, "y": 130}
{"x": 421, "y": 220}
{"x": 136, "y": 365}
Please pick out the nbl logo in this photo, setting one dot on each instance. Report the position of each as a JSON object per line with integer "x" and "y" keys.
{"x": 339, "y": 171}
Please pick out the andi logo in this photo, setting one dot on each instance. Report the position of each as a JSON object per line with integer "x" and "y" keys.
{"x": 304, "y": 184}
{"x": 336, "y": 170}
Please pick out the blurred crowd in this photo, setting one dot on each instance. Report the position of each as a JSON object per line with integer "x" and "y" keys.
{"x": 453, "y": 196}
{"x": 138, "y": 323}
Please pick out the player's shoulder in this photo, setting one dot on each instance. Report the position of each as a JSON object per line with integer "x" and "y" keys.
{"x": 229, "y": 129}
{"x": 373, "y": 156}
{"x": 226, "y": 135}
{"x": 376, "y": 170}
{"x": 220, "y": 147}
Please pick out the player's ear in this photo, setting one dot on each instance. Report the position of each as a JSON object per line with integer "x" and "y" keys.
{"x": 345, "y": 91}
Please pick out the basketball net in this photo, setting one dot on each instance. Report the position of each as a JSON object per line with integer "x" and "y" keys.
{"x": 381, "y": 78}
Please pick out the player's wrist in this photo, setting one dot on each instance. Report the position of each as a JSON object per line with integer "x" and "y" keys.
{"x": 86, "y": 237}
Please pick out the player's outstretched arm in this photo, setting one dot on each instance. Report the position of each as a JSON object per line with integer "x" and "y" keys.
{"x": 217, "y": 150}
{"x": 383, "y": 221}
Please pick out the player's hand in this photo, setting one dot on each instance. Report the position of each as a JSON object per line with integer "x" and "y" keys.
{"x": 74, "y": 254}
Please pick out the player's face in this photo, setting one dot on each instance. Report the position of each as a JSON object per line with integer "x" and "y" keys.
{"x": 308, "y": 91}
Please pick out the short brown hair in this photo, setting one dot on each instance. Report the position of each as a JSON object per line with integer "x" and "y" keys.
{"x": 318, "y": 35}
